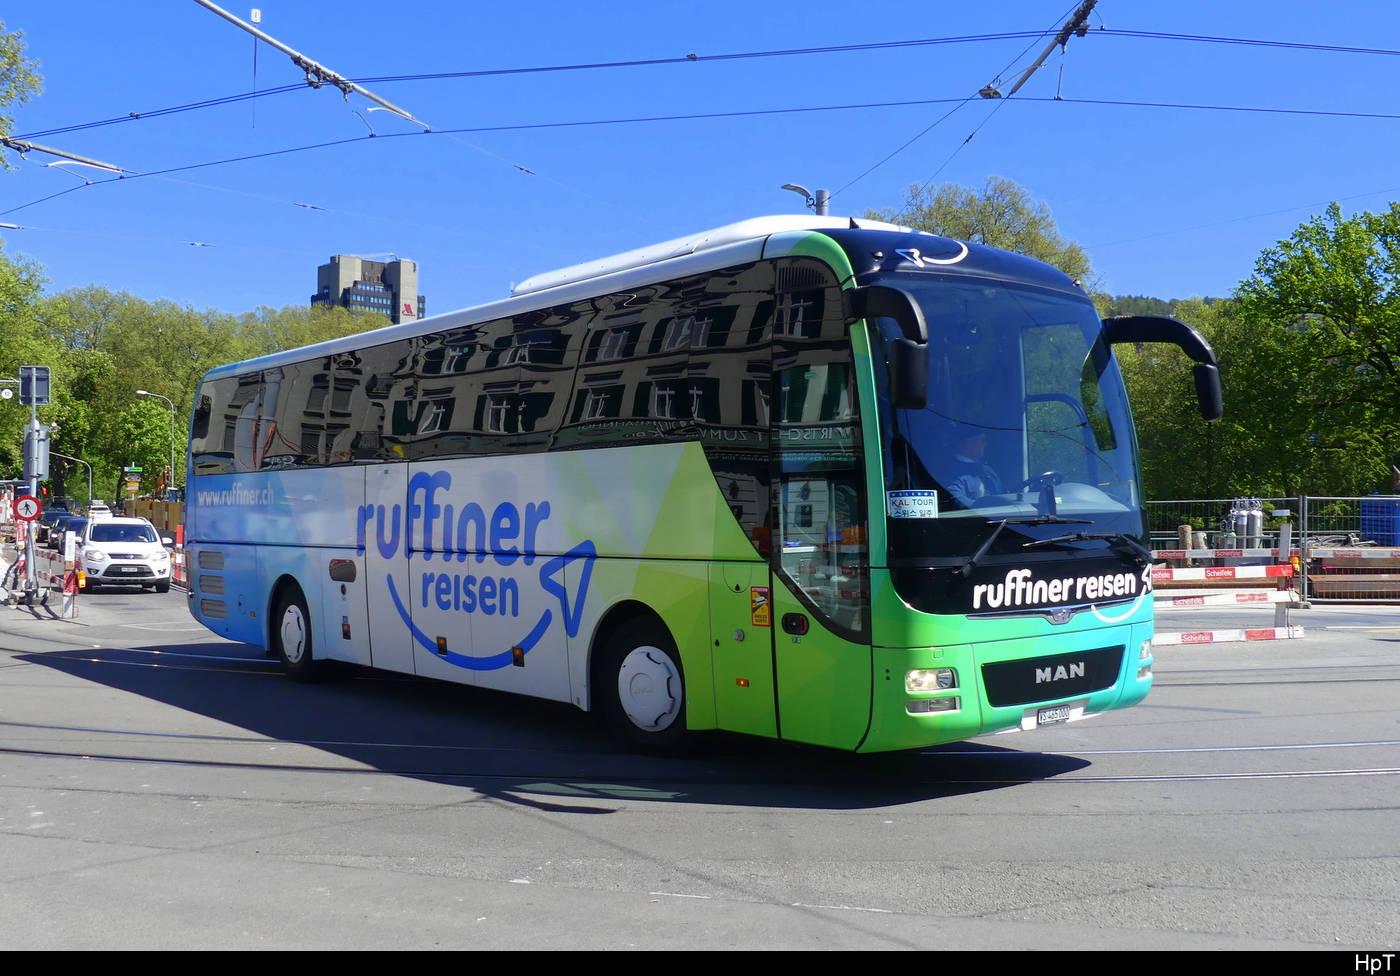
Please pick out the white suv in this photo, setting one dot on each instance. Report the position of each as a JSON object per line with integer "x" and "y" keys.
{"x": 124, "y": 552}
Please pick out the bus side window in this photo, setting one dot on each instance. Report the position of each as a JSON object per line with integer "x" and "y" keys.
{"x": 821, "y": 544}
{"x": 241, "y": 423}
{"x": 728, "y": 384}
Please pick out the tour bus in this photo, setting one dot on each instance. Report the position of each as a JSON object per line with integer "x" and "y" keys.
{"x": 819, "y": 479}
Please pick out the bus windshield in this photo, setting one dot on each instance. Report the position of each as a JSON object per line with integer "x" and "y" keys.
{"x": 1027, "y": 421}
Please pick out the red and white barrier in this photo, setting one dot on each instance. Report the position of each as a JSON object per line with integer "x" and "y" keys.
{"x": 1387, "y": 552}
{"x": 1216, "y": 553}
{"x": 50, "y": 573}
{"x": 1354, "y": 552}
{"x": 1216, "y": 598}
{"x": 1177, "y": 598}
{"x": 1228, "y": 636}
{"x": 178, "y": 574}
{"x": 1222, "y": 572}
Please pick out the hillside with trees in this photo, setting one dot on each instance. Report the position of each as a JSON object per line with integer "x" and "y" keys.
{"x": 103, "y": 345}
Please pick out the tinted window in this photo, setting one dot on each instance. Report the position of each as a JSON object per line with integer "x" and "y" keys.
{"x": 118, "y": 532}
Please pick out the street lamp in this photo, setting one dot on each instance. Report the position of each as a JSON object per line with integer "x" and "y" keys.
{"x": 172, "y": 431}
{"x": 817, "y": 202}
{"x": 82, "y": 462}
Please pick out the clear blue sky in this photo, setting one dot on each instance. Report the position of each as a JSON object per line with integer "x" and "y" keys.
{"x": 1144, "y": 189}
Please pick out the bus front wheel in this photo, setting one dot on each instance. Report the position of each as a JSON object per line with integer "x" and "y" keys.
{"x": 643, "y": 688}
{"x": 292, "y": 640}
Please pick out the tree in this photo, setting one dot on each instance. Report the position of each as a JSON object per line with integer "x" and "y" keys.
{"x": 19, "y": 82}
{"x": 1328, "y": 297}
{"x": 999, "y": 213}
{"x": 20, "y": 344}
{"x": 105, "y": 345}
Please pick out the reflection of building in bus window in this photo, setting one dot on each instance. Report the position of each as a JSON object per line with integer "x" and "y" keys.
{"x": 966, "y": 476}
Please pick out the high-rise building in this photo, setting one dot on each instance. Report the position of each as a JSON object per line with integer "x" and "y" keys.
{"x": 353, "y": 282}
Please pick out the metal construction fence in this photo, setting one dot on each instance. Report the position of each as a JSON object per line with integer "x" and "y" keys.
{"x": 1348, "y": 548}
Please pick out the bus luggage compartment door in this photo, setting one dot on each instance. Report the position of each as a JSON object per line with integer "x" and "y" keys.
{"x": 386, "y": 567}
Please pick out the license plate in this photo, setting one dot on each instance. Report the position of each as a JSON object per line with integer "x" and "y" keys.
{"x": 1053, "y": 715}
{"x": 126, "y": 569}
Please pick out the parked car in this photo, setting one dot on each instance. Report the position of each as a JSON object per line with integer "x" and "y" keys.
{"x": 56, "y": 529}
{"x": 74, "y": 526}
{"x": 124, "y": 552}
{"x": 51, "y": 515}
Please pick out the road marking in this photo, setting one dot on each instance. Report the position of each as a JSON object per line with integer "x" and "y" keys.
{"x": 163, "y": 628}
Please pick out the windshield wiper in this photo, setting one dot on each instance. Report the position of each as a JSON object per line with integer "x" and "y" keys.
{"x": 971, "y": 564}
{"x": 1111, "y": 537}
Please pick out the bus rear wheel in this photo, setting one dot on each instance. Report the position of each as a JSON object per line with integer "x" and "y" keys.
{"x": 292, "y": 638}
{"x": 642, "y": 688}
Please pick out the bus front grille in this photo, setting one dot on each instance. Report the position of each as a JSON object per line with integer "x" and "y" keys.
{"x": 1046, "y": 678}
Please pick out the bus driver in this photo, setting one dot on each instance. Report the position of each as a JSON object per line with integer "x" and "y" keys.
{"x": 966, "y": 477}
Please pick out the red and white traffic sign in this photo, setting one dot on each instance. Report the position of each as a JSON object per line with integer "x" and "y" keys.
{"x": 27, "y": 508}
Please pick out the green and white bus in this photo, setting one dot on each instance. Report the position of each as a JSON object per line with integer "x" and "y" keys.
{"x": 818, "y": 479}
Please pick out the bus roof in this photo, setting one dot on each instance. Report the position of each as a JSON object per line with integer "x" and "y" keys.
{"x": 745, "y": 230}
{"x": 694, "y": 254}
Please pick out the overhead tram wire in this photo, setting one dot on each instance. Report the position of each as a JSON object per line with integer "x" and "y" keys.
{"x": 172, "y": 110}
{"x": 1247, "y": 42}
{"x": 318, "y": 75}
{"x": 691, "y": 58}
{"x": 699, "y": 58}
{"x": 494, "y": 72}
{"x": 648, "y": 62}
{"x": 962, "y": 103}
{"x": 130, "y": 176}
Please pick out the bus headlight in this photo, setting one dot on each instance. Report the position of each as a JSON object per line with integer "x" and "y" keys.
{"x": 924, "y": 680}
{"x": 1145, "y": 652}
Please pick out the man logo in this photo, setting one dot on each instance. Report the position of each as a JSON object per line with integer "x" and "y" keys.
{"x": 1060, "y": 673}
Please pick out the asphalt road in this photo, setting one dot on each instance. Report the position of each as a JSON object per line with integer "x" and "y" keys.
{"x": 163, "y": 788}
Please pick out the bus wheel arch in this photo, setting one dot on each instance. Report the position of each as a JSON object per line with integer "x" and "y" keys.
{"x": 291, "y": 633}
{"x": 636, "y": 679}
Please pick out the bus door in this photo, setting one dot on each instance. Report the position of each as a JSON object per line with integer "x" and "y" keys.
{"x": 819, "y": 559}
{"x": 389, "y": 589}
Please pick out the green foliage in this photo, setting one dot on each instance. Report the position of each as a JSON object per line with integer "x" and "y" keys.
{"x": 19, "y": 81}
{"x": 103, "y": 346}
{"x": 20, "y": 344}
{"x": 1325, "y": 306}
{"x": 1309, "y": 351}
{"x": 999, "y": 213}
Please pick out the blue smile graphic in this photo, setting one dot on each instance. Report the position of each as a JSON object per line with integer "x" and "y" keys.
{"x": 571, "y": 612}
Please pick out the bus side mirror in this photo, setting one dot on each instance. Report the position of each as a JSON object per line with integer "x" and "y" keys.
{"x": 1156, "y": 328}
{"x": 1208, "y": 394}
{"x": 908, "y": 374}
{"x": 885, "y": 302}
{"x": 908, "y": 354}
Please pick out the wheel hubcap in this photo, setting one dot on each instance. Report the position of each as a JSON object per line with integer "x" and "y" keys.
{"x": 293, "y": 634}
{"x": 649, "y": 687}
